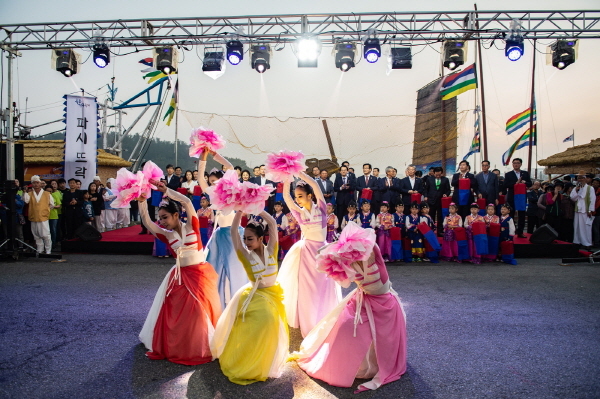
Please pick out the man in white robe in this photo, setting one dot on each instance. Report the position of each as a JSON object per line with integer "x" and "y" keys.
{"x": 585, "y": 199}
{"x": 40, "y": 202}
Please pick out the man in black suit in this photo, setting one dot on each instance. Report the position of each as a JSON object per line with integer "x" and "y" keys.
{"x": 366, "y": 181}
{"x": 488, "y": 186}
{"x": 261, "y": 180}
{"x": 326, "y": 186}
{"x": 344, "y": 186}
{"x": 510, "y": 179}
{"x": 436, "y": 187}
{"x": 464, "y": 173}
{"x": 173, "y": 182}
{"x": 411, "y": 184}
{"x": 389, "y": 186}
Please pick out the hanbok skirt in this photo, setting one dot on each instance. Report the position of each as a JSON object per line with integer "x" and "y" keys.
{"x": 252, "y": 345}
{"x": 475, "y": 257}
{"x": 182, "y": 317}
{"x": 385, "y": 243}
{"x": 417, "y": 245}
{"x": 309, "y": 294}
{"x": 337, "y": 350}
{"x": 222, "y": 256}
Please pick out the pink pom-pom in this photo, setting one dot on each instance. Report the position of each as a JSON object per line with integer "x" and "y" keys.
{"x": 127, "y": 187}
{"x": 202, "y": 139}
{"x": 151, "y": 172}
{"x": 226, "y": 193}
{"x": 336, "y": 268}
{"x": 355, "y": 243}
{"x": 282, "y": 166}
{"x": 253, "y": 197}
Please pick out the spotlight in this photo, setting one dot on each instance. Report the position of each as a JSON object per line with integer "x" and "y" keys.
{"x": 165, "y": 59}
{"x": 372, "y": 50}
{"x": 344, "y": 56}
{"x": 260, "y": 58}
{"x": 454, "y": 54}
{"x": 212, "y": 60}
{"x": 307, "y": 51}
{"x": 101, "y": 55}
{"x": 401, "y": 58}
{"x": 235, "y": 52}
{"x": 563, "y": 53}
{"x": 66, "y": 62}
{"x": 514, "y": 49}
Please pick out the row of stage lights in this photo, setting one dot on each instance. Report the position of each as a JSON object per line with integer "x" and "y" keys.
{"x": 308, "y": 49}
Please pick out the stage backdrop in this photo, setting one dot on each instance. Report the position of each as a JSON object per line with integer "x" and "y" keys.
{"x": 81, "y": 138}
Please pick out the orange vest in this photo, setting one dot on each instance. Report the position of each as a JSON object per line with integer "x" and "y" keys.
{"x": 39, "y": 211}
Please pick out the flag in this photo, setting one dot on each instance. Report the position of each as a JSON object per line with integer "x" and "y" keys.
{"x": 279, "y": 193}
{"x": 493, "y": 238}
{"x": 482, "y": 206}
{"x": 570, "y": 138}
{"x": 459, "y": 82}
{"x": 173, "y": 105}
{"x": 464, "y": 191}
{"x": 521, "y": 142}
{"x": 520, "y": 196}
{"x": 461, "y": 240}
{"x": 396, "y": 238}
{"x": 147, "y": 61}
{"x": 508, "y": 252}
{"x": 480, "y": 238}
{"x": 519, "y": 120}
{"x": 203, "y": 222}
{"x": 446, "y": 201}
{"x": 475, "y": 144}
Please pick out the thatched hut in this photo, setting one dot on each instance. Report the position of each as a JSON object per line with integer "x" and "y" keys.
{"x": 584, "y": 157}
{"x": 44, "y": 157}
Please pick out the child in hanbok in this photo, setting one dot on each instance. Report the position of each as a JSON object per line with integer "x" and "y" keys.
{"x": 292, "y": 230}
{"x": 427, "y": 219}
{"x": 417, "y": 246}
{"x": 449, "y": 250}
{"x": 186, "y": 306}
{"x": 367, "y": 218}
{"x": 399, "y": 219}
{"x": 384, "y": 222}
{"x": 489, "y": 218}
{"x": 251, "y": 339}
{"x": 281, "y": 221}
{"x": 208, "y": 213}
{"x": 352, "y": 216}
{"x": 365, "y": 335}
{"x": 309, "y": 295}
{"x": 332, "y": 223}
{"x": 469, "y": 220}
{"x": 507, "y": 227}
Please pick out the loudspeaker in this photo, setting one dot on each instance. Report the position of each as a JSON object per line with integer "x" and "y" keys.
{"x": 87, "y": 232}
{"x": 19, "y": 169}
{"x": 544, "y": 234}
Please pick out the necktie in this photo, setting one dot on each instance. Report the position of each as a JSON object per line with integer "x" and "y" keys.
{"x": 344, "y": 180}
{"x": 367, "y": 180}
{"x": 437, "y": 184}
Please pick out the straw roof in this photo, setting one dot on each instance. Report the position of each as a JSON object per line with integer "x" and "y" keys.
{"x": 51, "y": 152}
{"x": 585, "y": 154}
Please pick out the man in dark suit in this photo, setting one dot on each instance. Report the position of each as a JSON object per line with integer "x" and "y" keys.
{"x": 326, "y": 186}
{"x": 366, "y": 181}
{"x": 436, "y": 187}
{"x": 261, "y": 180}
{"x": 173, "y": 182}
{"x": 488, "y": 186}
{"x": 411, "y": 184}
{"x": 510, "y": 179}
{"x": 389, "y": 186}
{"x": 463, "y": 173}
{"x": 344, "y": 186}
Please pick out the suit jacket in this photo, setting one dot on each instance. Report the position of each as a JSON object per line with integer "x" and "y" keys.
{"x": 489, "y": 190}
{"x": 344, "y": 195}
{"x": 258, "y": 180}
{"x": 361, "y": 183}
{"x": 175, "y": 182}
{"x": 389, "y": 193}
{"x": 510, "y": 179}
{"x": 326, "y": 187}
{"x": 405, "y": 187}
{"x": 471, "y": 177}
{"x": 434, "y": 195}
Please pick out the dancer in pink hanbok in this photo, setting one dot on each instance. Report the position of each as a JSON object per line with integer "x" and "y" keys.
{"x": 365, "y": 335}
{"x": 308, "y": 294}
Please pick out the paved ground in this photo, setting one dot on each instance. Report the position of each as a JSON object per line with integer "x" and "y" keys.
{"x": 69, "y": 330}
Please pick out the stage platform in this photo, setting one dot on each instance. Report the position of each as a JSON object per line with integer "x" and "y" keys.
{"x": 121, "y": 241}
{"x": 129, "y": 241}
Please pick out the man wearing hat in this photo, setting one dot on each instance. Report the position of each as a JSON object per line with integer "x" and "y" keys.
{"x": 110, "y": 213}
{"x": 40, "y": 202}
{"x": 585, "y": 200}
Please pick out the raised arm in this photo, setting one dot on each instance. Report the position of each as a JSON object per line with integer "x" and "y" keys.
{"x": 288, "y": 198}
{"x": 235, "y": 236}
{"x": 184, "y": 200}
{"x": 273, "y": 234}
{"x": 150, "y": 225}
{"x": 314, "y": 185}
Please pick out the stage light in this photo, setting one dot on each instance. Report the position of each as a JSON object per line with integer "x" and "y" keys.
{"x": 165, "y": 59}
{"x": 372, "y": 50}
{"x": 213, "y": 60}
{"x": 563, "y": 53}
{"x": 66, "y": 62}
{"x": 514, "y": 49}
{"x": 401, "y": 58}
{"x": 101, "y": 55}
{"x": 260, "y": 58}
{"x": 307, "y": 51}
{"x": 235, "y": 52}
{"x": 344, "y": 56}
{"x": 454, "y": 54}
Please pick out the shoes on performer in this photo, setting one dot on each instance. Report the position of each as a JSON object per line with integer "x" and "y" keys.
{"x": 426, "y": 260}
{"x": 521, "y": 235}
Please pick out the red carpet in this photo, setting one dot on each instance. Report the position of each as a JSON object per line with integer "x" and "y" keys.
{"x": 127, "y": 234}
{"x": 121, "y": 241}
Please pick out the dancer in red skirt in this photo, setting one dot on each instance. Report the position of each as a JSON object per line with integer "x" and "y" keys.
{"x": 187, "y": 306}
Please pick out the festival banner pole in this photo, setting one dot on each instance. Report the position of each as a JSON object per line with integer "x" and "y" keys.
{"x": 531, "y": 114}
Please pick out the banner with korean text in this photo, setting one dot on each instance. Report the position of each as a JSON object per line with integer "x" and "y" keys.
{"x": 81, "y": 138}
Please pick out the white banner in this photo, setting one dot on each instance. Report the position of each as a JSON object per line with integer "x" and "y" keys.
{"x": 81, "y": 139}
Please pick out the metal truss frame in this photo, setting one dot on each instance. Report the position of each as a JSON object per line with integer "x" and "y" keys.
{"x": 395, "y": 27}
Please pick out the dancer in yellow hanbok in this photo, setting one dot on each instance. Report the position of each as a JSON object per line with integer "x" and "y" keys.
{"x": 251, "y": 339}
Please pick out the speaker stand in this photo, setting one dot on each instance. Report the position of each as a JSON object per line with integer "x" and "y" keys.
{"x": 35, "y": 254}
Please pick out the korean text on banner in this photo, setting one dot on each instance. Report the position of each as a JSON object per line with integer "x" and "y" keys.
{"x": 81, "y": 138}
